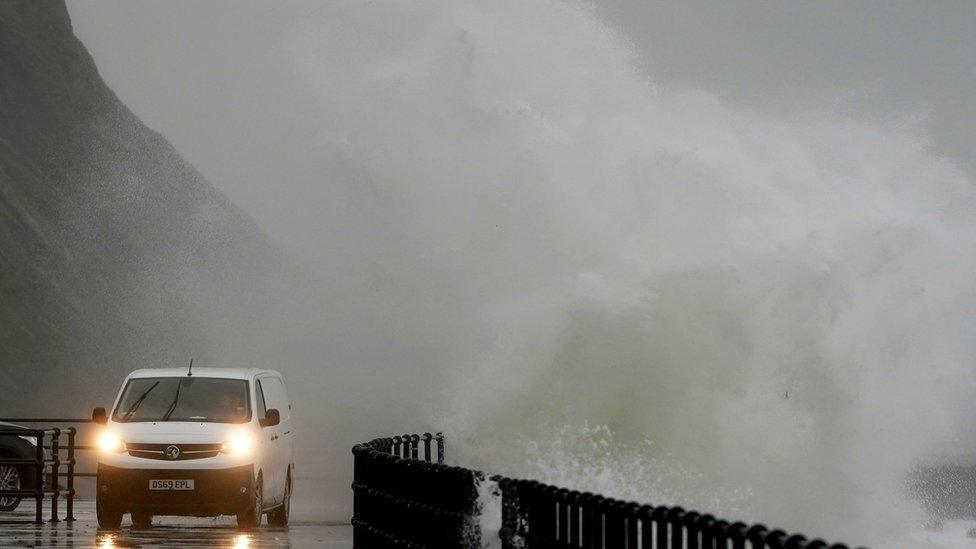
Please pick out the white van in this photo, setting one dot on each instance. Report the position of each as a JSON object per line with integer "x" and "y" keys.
{"x": 209, "y": 442}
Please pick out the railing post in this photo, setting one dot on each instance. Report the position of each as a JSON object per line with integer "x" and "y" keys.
{"x": 509, "y": 529}
{"x": 439, "y": 437}
{"x": 660, "y": 516}
{"x": 721, "y": 534}
{"x": 756, "y": 534}
{"x": 359, "y": 500}
{"x": 615, "y": 528}
{"x": 39, "y": 478}
{"x": 574, "y": 519}
{"x": 690, "y": 522}
{"x": 530, "y": 510}
{"x": 631, "y": 510}
{"x": 55, "y": 470}
{"x": 675, "y": 514}
{"x": 562, "y": 515}
{"x": 592, "y": 521}
{"x": 427, "y": 438}
{"x": 71, "y": 474}
{"x": 774, "y": 539}
{"x": 646, "y": 514}
{"x": 545, "y": 520}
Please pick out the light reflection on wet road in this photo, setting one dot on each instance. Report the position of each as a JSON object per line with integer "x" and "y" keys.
{"x": 165, "y": 532}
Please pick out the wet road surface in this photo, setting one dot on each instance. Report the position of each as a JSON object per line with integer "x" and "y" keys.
{"x": 18, "y": 530}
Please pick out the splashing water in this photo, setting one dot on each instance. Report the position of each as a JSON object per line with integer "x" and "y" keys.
{"x": 654, "y": 294}
{"x": 582, "y": 278}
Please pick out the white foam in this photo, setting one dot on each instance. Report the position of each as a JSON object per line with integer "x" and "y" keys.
{"x": 653, "y": 294}
{"x": 781, "y": 306}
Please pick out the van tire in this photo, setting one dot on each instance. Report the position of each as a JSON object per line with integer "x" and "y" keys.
{"x": 141, "y": 519}
{"x": 279, "y": 515}
{"x": 109, "y": 518}
{"x": 251, "y": 516}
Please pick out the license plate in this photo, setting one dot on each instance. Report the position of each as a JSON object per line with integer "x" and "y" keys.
{"x": 171, "y": 484}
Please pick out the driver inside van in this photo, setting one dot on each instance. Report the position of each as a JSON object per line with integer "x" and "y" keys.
{"x": 232, "y": 406}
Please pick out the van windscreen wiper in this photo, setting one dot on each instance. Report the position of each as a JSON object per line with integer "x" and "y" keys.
{"x": 176, "y": 398}
{"x": 135, "y": 405}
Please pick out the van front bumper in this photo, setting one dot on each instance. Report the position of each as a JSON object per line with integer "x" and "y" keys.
{"x": 215, "y": 492}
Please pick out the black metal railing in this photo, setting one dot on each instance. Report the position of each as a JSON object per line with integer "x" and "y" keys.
{"x": 403, "y": 500}
{"x": 47, "y": 454}
{"x": 540, "y": 515}
{"x": 34, "y": 464}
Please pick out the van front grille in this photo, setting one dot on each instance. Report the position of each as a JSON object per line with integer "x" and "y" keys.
{"x": 166, "y": 452}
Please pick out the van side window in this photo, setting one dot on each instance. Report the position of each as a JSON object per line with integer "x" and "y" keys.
{"x": 261, "y": 407}
{"x": 276, "y": 396}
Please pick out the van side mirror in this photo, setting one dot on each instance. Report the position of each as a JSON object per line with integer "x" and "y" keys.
{"x": 271, "y": 418}
{"x": 99, "y": 416}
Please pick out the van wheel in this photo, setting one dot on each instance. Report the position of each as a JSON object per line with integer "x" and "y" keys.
{"x": 141, "y": 519}
{"x": 279, "y": 515}
{"x": 251, "y": 516}
{"x": 108, "y": 517}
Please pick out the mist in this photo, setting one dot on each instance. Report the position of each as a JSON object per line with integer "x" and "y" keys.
{"x": 517, "y": 235}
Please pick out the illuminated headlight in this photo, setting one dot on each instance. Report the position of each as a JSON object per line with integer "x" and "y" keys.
{"x": 239, "y": 443}
{"x": 110, "y": 442}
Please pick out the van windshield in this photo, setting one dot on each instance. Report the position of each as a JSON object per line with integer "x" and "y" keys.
{"x": 184, "y": 399}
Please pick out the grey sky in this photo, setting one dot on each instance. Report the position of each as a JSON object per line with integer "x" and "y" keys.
{"x": 884, "y": 57}
{"x": 212, "y": 75}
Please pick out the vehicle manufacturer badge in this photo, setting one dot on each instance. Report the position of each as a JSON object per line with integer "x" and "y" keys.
{"x": 172, "y": 452}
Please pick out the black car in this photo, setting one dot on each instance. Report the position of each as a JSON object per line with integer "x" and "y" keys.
{"x": 16, "y": 477}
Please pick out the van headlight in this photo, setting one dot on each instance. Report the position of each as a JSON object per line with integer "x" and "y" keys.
{"x": 109, "y": 442}
{"x": 239, "y": 444}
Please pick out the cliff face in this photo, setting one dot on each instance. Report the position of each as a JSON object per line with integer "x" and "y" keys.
{"x": 114, "y": 252}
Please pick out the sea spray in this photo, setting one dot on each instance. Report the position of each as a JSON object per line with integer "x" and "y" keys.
{"x": 489, "y": 519}
{"x": 540, "y": 243}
